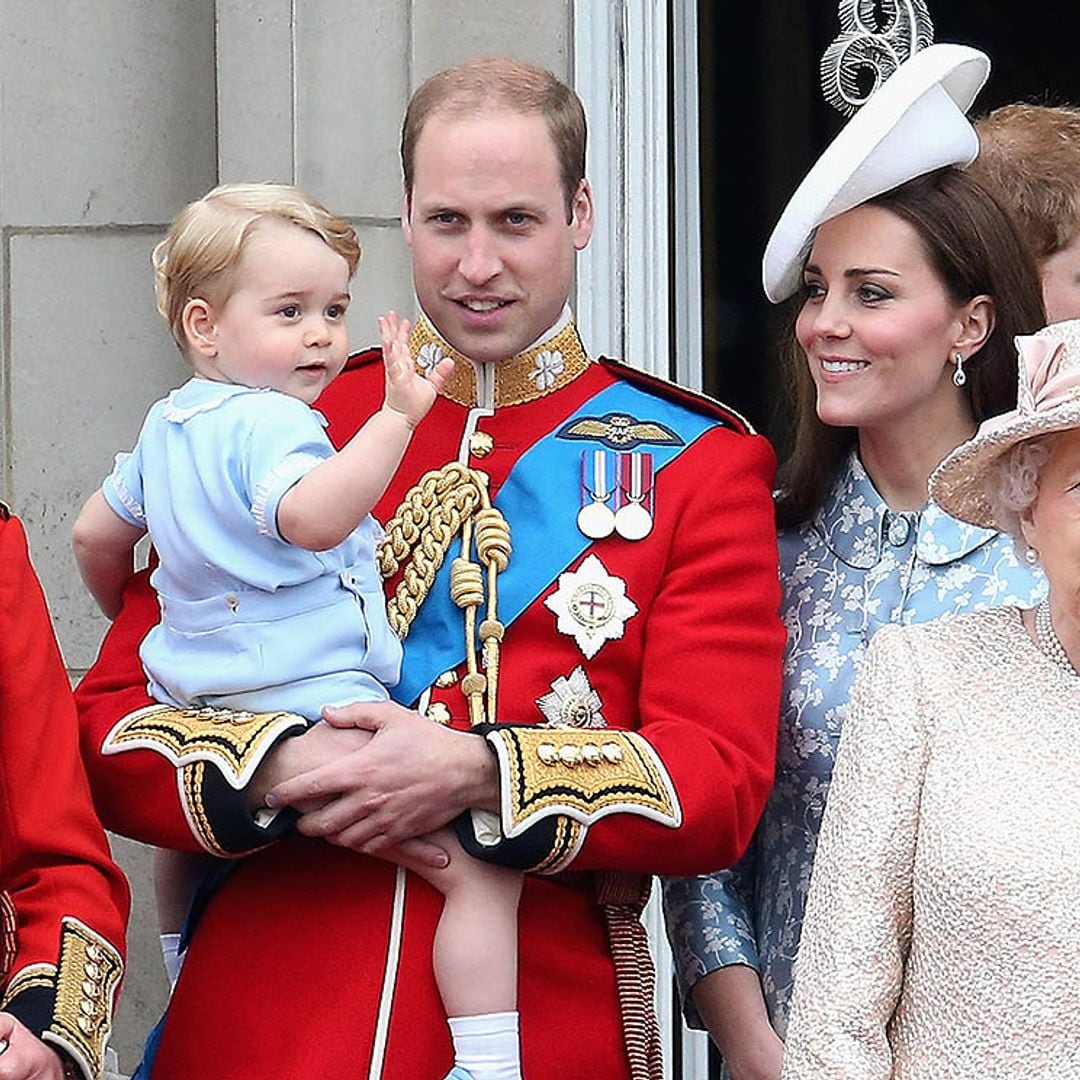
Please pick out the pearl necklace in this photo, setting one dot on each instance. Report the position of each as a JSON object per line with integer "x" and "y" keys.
{"x": 1048, "y": 641}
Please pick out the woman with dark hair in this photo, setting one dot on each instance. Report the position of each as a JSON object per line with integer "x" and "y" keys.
{"x": 63, "y": 902}
{"x": 912, "y": 283}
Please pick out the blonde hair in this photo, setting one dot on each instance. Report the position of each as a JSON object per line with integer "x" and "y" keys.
{"x": 200, "y": 253}
{"x": 498, "y": 82}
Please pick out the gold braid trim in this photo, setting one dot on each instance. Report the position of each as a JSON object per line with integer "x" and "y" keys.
{"x": 232, "y": 740}
{"x": 584, "y": 774}
{"x": 9, "y": 921}
{"x": 29, "y": 978}
{"x": 541, "y": 370}
{"x": 569, "y": 835}
{"x": 445, "y": 502}
{"x": 86, "y": 982}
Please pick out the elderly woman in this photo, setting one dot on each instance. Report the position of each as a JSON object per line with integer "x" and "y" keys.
{"x": 942, "y": 936}
{"x": 63, "y": 902}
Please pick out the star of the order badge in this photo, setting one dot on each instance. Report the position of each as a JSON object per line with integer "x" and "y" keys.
{"x": 591, "y": 606}
{"x": 572, "y": 702}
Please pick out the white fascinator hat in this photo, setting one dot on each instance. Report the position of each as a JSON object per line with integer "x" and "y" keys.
{"x": 914, "y": 123}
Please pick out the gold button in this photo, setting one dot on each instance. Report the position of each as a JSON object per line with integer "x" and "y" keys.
{"x": 591, "y": 753}
{"x": 446, "y": 679}
{"x": 612, "y": 752}
{"x": 481, "y": 444}
{"x": 438, "y": 711}
{"x": 569, "y": 754}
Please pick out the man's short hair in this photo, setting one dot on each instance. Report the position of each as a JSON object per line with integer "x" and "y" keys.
{"x": 204, "y": 244}
{"x": 1029, "y": 157}
{"x": 494, "y": 83}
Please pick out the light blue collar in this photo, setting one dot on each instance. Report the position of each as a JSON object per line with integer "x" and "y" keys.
{"x": 855, "y": 523}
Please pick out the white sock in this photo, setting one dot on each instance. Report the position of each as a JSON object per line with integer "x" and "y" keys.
{"x": 173, "y": 957}
{"x": 488, "y": 1045}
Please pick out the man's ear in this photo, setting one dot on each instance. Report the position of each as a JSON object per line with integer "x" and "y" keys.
{"x": 200, "y": 327}
{"x": 406, "y": 224}
{"x": 582, "y": 217}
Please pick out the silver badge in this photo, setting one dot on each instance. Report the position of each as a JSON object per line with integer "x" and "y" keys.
{"x": 591, "y": 606}
{"x": 572, "y": 702}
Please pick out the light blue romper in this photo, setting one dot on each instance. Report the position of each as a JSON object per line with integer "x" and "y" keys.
{"x": 248, "y": 620}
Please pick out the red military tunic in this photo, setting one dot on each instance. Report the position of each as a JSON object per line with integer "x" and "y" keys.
{"x": 311, "y": 961}
{"x": 63, "y": 903}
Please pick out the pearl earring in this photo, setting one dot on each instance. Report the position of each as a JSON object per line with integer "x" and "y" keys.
{"x": 959, "y": 376}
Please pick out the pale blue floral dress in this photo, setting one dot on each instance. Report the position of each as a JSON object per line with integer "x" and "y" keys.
{"x": 856, "y": 568}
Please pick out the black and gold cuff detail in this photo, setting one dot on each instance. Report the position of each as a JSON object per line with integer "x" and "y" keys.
{"x": 582, "y": 774}
{"x": 233, "y": 741}
{"x": 71, "y": 1006}
{"x": 220, "y": 817}
{"x": 546, "y": 848}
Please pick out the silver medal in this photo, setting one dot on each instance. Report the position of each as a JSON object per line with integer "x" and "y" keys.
{"x": 633, "y": 521}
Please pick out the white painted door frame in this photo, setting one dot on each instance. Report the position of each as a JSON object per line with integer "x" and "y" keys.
{"x": 645, "y": 254}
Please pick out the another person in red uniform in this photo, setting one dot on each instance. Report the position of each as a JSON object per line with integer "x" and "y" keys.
{"x": 582, "y": 566}
{"x": 63, "y": 902}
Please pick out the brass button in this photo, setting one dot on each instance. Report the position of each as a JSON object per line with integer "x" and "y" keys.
{"x": 481, "y": 444}
{"x": 612, "y": 752}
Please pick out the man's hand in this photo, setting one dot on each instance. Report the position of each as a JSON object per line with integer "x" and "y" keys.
{"x": 407, "y": 391}
{"x": 25, "y": 1056}
{"x": 411, "y": 778}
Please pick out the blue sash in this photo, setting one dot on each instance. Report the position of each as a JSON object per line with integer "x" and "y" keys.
{"x": 540, "y": 500}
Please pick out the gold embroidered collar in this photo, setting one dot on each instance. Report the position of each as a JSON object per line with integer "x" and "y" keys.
{"x": 546, "y": 367}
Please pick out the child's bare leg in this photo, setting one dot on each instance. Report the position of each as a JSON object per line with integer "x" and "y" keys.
{"x": 176, "y": 874}
{"x": 475, "y": 960}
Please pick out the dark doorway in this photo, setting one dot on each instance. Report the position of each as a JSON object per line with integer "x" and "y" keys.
{"x": 764, "y": 122}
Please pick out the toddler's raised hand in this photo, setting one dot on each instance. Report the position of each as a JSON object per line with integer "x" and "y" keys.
{"x": 408, "y": 392}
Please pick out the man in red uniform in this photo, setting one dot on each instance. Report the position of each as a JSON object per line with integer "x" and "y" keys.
{"x": 581, "y": 562}
{"x": 63, "y": 902}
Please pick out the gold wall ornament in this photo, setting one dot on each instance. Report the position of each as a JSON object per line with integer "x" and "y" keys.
{"x": 444, "y": 503}
{"x": 875, "y": 38}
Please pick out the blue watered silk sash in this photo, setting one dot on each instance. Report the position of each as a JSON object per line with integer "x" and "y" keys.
{"x": 540, "y": 499}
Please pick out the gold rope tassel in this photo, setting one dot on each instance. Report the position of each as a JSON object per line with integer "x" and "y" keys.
{"x": 622, "y": 897}
{"x": 445, "y": 502}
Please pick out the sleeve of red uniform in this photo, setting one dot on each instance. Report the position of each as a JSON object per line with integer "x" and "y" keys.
{"x": 63, "y": 902}
{"x": 682, "y": 793}
{"x": 151, "y": 777}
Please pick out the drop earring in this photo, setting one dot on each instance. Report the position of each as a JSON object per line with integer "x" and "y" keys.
{"x": 959, "y": 376}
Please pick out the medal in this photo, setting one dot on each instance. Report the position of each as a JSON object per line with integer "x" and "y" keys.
{"x": 596, "y": 519}
{"x": 634, "y": 519}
